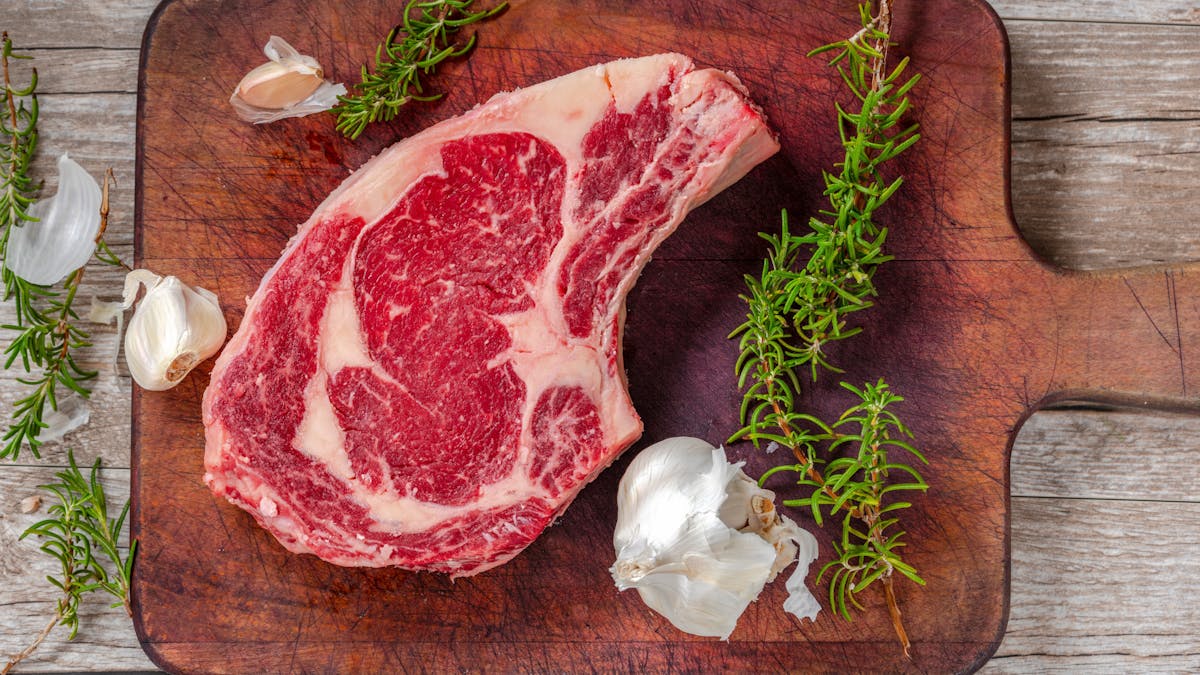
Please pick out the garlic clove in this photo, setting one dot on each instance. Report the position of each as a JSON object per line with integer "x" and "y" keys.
{"x": 31, "y": 504}
{"x": 290, "y": 84}
{"x": 699, "y": 539}
{"x": 173, "y": 329}
{"x": 63, "y": 238}
{"x": 275, "y": 86}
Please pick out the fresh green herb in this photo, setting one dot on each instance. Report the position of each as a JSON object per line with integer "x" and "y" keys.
{"x": 412, "y": 50}
{"x": 50, "y": 346}
{"x": 46, "y": 326}
{"x": 79, "y": 533}
{"x": 810, "y": 285}
{"x": 85, "y": 540}
{"x": 19, "y": 130}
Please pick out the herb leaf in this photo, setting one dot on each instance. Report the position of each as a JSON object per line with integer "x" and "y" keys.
{"x": 47, "y": 330}
{"x": 811, "y": 283}
{"x": 80, "y": 534}
{"x": 411, "y": 51}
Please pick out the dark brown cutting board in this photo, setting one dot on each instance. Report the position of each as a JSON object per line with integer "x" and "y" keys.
{"x": 973, "y": 330}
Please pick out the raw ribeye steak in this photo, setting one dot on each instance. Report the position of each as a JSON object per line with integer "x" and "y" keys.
{"x": 432, "y": 371}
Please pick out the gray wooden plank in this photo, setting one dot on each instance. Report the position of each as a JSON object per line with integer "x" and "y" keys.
{"x": 1106, "y": 142}
{"x": 81, "y": 71}
{"x": 1123, "y": 11}
{"x": 1092, "y": 454}
{"x": 1102, "y": 586}
{"x": 93, "y": 24}
{"x": 106, "y": 640}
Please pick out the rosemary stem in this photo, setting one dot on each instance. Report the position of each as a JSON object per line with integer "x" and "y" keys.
{"x": 37, "y": 642}
{"x": 883, "y": 22}
{"x": 810, "y": 284}
{"x": 14, "y": 142}
{"x": 807, "y": 467}
{"x": 12, "y": 104}
{"x": 893, "y": 606}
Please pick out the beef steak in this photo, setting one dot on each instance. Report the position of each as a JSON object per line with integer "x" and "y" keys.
{"x": 432, "y": 371}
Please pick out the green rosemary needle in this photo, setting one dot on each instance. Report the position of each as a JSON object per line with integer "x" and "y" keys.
{"x": 412, "y": 50}
{"x": 47, "y": 326}
{"x": 19, "y": 143}
{"x": 86, "y": 542}
{"x": 802, "y": 301}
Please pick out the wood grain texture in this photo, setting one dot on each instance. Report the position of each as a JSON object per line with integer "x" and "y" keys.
{"x": 1101, "y": 11}
{"x": 1059, "y": 456}
{"x": 95, "y": 24}
{"x": 1081, "y": 565}
{"x": 1117, "y": 167}
{"x": 106, "y": 640}
{"x": 230, "y": 196}
{"x": 1147, "y": 457}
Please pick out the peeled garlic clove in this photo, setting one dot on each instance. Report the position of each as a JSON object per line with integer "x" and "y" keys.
{"x": 290, "y": 84}
{"x": 173, "y": 329}
{"x": 275, "y": 86}
{"x": 63, "y": 238}
{"x": 699, "y": 539}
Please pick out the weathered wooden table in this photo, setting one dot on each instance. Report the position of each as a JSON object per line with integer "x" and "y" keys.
{"x": 1105, "y": 157}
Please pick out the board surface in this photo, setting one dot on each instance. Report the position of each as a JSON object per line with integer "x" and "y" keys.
{"x": 970, "y": 328}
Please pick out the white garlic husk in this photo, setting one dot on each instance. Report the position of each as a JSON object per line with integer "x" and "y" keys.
{"x": 173, "y": 329}
{"x": 63, "y": 238}
{"x": 699, "y": 539}
{"x": 290, "y": 84}
{"x": 70, "y": 413}
{"x": 106, "y": 312}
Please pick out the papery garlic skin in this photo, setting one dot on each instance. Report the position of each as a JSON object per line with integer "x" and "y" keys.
{"x": 699, "y": 539}
{"x": 105, "y": 312}
{"x": 290, "y": 84}
{"x": 71, "y": 413}
{"x": 173, "y": 329}
{"x": 63, "y": 238}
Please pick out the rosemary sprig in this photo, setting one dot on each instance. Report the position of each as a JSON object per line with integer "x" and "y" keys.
{"x": 85, "y": 540}
{"x": 412, "y": 50}
{"x": 47, "y": 330}
{"x": 809, "y": 286}
{"x": 79, "y": 533}
{"x": 49, "y": 345}
{"x": 18, "y": 127}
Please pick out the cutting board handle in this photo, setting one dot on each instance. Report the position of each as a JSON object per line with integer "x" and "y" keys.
{"x": 1127, "y": 336}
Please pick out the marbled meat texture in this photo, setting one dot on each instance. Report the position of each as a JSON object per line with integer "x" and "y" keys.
{"x": 432, "y": 371}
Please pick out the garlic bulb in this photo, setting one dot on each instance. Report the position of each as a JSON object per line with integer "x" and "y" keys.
{"x": 63, "y": 237}
{"x": 173, "y": 328}
{"x": 699, "y": 539}
{"x": 290, "y": 84}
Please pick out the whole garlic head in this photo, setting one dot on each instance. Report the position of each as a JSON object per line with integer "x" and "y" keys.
{"x": 699, "y": 539}
{"x": 173, "y": 329}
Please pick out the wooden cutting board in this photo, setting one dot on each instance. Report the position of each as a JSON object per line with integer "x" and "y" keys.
{"x": 970, "y": 327}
